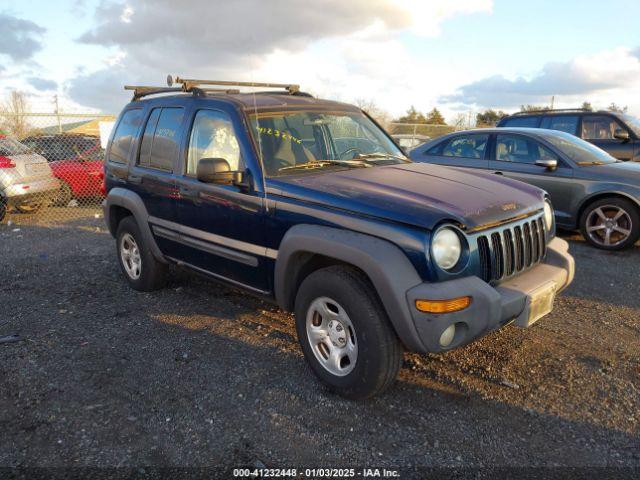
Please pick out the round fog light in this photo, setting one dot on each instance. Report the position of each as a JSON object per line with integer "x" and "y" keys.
{"x": 447, "y": 336}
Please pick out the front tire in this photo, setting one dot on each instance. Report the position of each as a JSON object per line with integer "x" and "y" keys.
{"x": 345, "y": 334}
{"x": 141, "y": 269}
{"x": 611, "y": 224}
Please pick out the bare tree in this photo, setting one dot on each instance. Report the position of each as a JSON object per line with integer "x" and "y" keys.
{"x": 381, "y": 116}
{"x": 13, "y": 115}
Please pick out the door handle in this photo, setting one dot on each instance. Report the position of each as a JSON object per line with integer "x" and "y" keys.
{"x": 134, "y": 179}
{"x": 498, "y": 173}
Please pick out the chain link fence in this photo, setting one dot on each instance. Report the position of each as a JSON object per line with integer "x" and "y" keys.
{"x": 51, "y": 165}
{"x": 410, "y": 135}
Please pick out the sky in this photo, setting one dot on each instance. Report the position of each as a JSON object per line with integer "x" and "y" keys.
{"x": 459, "y": 56}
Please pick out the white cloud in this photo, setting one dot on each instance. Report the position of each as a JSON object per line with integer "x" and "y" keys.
{"x": 345, "y": 49}
{"x": 598, "y": 76}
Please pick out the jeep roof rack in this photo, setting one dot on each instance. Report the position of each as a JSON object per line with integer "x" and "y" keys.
{"x": 547, "y": 110}
{"x": 190, "y": 85}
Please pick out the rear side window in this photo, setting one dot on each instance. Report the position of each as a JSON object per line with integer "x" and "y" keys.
{"x": 525, "y": 122}
{"x": 465, "y": 146}
{"x": 124, "y": 135}
{"x": 564, "y": 123}
{"x": 160, "y": 140}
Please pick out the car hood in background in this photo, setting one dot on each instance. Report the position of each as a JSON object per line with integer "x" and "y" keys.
{"x": 419, "y": 194}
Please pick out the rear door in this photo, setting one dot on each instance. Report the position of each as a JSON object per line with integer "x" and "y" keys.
{"x": 463, "y": 150}
{"x": 514, "y": 156}
{"x": 152, "y": 176}
{"x": 600, "y": 129}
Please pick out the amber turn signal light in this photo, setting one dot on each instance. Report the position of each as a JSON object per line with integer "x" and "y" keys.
{"x": 443, "y": 306}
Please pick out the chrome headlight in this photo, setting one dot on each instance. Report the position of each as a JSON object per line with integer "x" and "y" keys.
{"x": 548, "y": 215}
{"x": 446, "y": 248}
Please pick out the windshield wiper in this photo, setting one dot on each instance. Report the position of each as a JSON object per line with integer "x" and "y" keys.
{"x": 368, "y": 156}
{"x": 314, "y": 164}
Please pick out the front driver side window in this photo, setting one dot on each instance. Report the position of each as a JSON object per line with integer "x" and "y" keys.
{"x": 518, "y": 149}
{"x": 599, "y": 127}
{"x": 212, "y": 136}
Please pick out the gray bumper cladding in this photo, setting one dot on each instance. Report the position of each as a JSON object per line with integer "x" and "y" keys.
{"x": 491, "y": 306}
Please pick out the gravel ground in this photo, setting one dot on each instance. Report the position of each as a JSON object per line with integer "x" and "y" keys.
{"x": 199, "y": 374}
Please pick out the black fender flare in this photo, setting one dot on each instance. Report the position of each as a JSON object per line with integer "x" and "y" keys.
{"x": 387, "y": 267}
{"x": 121, "y": 197}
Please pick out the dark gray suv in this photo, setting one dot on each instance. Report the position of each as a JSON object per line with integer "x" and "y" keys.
{"x": 589, "y": 189}
{"x": 618, "y": 134}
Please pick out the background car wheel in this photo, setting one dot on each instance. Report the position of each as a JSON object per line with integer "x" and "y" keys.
{"x": 611, "y": 224}
{"x": 345, "y": 334}
{"x": 3, "y": 209}
{"x": 139, "y": 266}
{"x": 65, "y": 195}
{"x": 29, "y": 207}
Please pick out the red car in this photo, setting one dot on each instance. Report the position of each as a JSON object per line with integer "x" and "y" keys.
{"x": 76, "y": 160}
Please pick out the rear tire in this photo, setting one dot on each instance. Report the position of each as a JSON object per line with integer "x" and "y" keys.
{"x": 611, "y": 224}
{"x": 141, "y": 269}
{"x": 30, "y": 207}
{"x": 345, "y": 334}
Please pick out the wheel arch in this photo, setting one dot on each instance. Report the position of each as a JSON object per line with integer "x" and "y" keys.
{"x": 306, "y": 248}
{"x": 600, "y": 196}
{"x": 121, "y": 203}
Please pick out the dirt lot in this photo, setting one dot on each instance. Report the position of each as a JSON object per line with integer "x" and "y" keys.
{"x": 199, "y": 374}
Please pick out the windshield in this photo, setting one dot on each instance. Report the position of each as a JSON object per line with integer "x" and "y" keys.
{"x": 293, "y": 142}
{"x": 581, "y": 152}
{"x": 633, "y": 123}
{"x": 9, "y": 146}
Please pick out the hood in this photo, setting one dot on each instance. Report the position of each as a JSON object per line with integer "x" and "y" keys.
{"x": 418, "y": 194}
{"x": 622, "y": 172}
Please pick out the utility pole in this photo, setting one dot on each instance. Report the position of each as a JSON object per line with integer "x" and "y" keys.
{"x": 55, "y": 99}
{"x": 553, "y": 97}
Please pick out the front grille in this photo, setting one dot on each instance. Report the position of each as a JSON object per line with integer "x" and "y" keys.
{"x": 511, "y": 249}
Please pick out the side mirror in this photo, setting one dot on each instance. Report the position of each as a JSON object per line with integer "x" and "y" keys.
{"x": 548, "y": 164}
{"x": 621, "y": 134}
{"x": 217, "y": 170}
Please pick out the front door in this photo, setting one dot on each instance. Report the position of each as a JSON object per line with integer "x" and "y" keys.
{"x": 514, "y": 156}
{"x": 221, "y": 227}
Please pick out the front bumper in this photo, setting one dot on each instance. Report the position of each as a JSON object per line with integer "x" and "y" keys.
{"x": 32, "y": 192}
{"x": 492, "y": 306}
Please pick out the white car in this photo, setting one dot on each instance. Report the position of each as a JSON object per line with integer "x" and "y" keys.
{"x": 26, "y": 180}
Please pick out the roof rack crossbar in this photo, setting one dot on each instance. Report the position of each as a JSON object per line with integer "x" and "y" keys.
{"x": 545, "y": 110}
{"x": 189, "y": 83}
{"x": 140, "y": 91}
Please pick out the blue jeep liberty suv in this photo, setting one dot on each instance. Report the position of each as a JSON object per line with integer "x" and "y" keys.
{"x": 310, "y": 203}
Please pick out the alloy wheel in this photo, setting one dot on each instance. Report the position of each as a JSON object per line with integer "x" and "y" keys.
{"x": 332, "y": 336}
{"x": 130, "y": 255}
{"x": 609, "y": 225}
